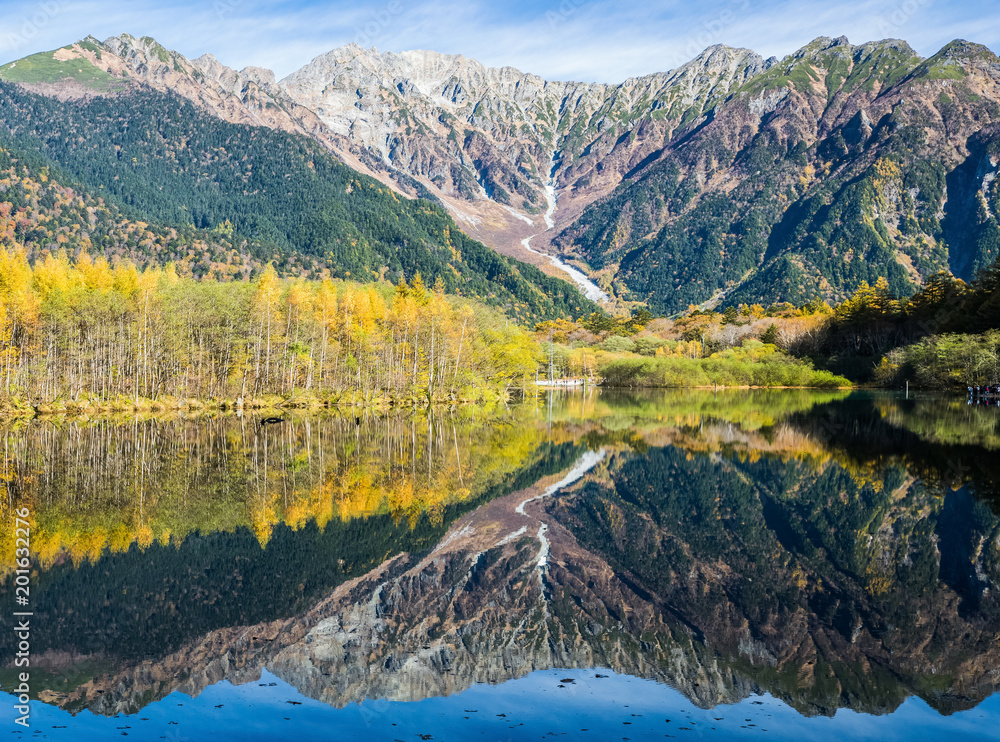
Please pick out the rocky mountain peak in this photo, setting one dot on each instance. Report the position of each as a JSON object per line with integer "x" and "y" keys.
{"x": 897, "y": 45}
{"x": 822, "y": 47}
{"x": 723, "y": 51}
{"x": 967, "y": 54}
{"x": 427, "y": 73}
{"x": 146, "y": 48}
{"x": 721, "y": 62}
{"x": 960, "y": 59}
{"x": 260, "y": 75}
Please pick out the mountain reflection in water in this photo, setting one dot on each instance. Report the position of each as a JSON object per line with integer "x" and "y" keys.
{"x": 831, "y": 551}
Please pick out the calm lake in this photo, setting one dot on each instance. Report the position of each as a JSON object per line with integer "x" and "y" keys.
{"x": 598, "y": 565}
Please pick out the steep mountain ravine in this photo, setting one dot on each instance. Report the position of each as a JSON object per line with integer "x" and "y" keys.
{"x": 837, "y": 165}
{"x": 453, "y": 123}
{"x": 591, "y": 290}
{"x": 477, "y": 139}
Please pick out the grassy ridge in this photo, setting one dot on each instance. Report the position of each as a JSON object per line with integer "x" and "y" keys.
{"x": 45, "y": 68}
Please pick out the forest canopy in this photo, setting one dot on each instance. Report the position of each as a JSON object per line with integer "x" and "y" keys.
{"x": 73, "y": 330}
{"x": 152, "y": 178}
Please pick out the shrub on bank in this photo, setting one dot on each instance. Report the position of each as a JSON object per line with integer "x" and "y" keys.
{"x": 753, "y": 364}
{"x": 944, "y": 362}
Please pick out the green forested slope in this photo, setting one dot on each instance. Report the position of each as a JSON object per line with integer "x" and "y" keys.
{"x": 819, "y": 565}
{"x": 839, "y": 164}
{"x": 287, "y": 198}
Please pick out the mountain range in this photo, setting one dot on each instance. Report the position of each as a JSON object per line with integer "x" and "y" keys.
{"x": 133, "y": 172}
{"x": 732, "y": 178}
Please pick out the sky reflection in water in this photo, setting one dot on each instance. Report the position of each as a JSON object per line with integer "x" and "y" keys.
{"x": 530, "y": 708}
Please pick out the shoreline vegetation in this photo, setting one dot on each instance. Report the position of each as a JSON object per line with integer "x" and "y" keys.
{"x": 343, "y": 402}
{"x": 80, "y": 336}
{"x": 946, "y": 336}
{"x": 754, "y": 364}
{"x": 81, "y": 333}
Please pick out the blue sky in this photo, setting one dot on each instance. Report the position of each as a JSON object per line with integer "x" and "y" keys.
{"x": 590, "y": 40}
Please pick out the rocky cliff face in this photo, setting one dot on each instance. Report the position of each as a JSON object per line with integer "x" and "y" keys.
{"x": 487, "y": 142}
{"x": 479, "y": 136}
{"x": 468, "y": 128}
